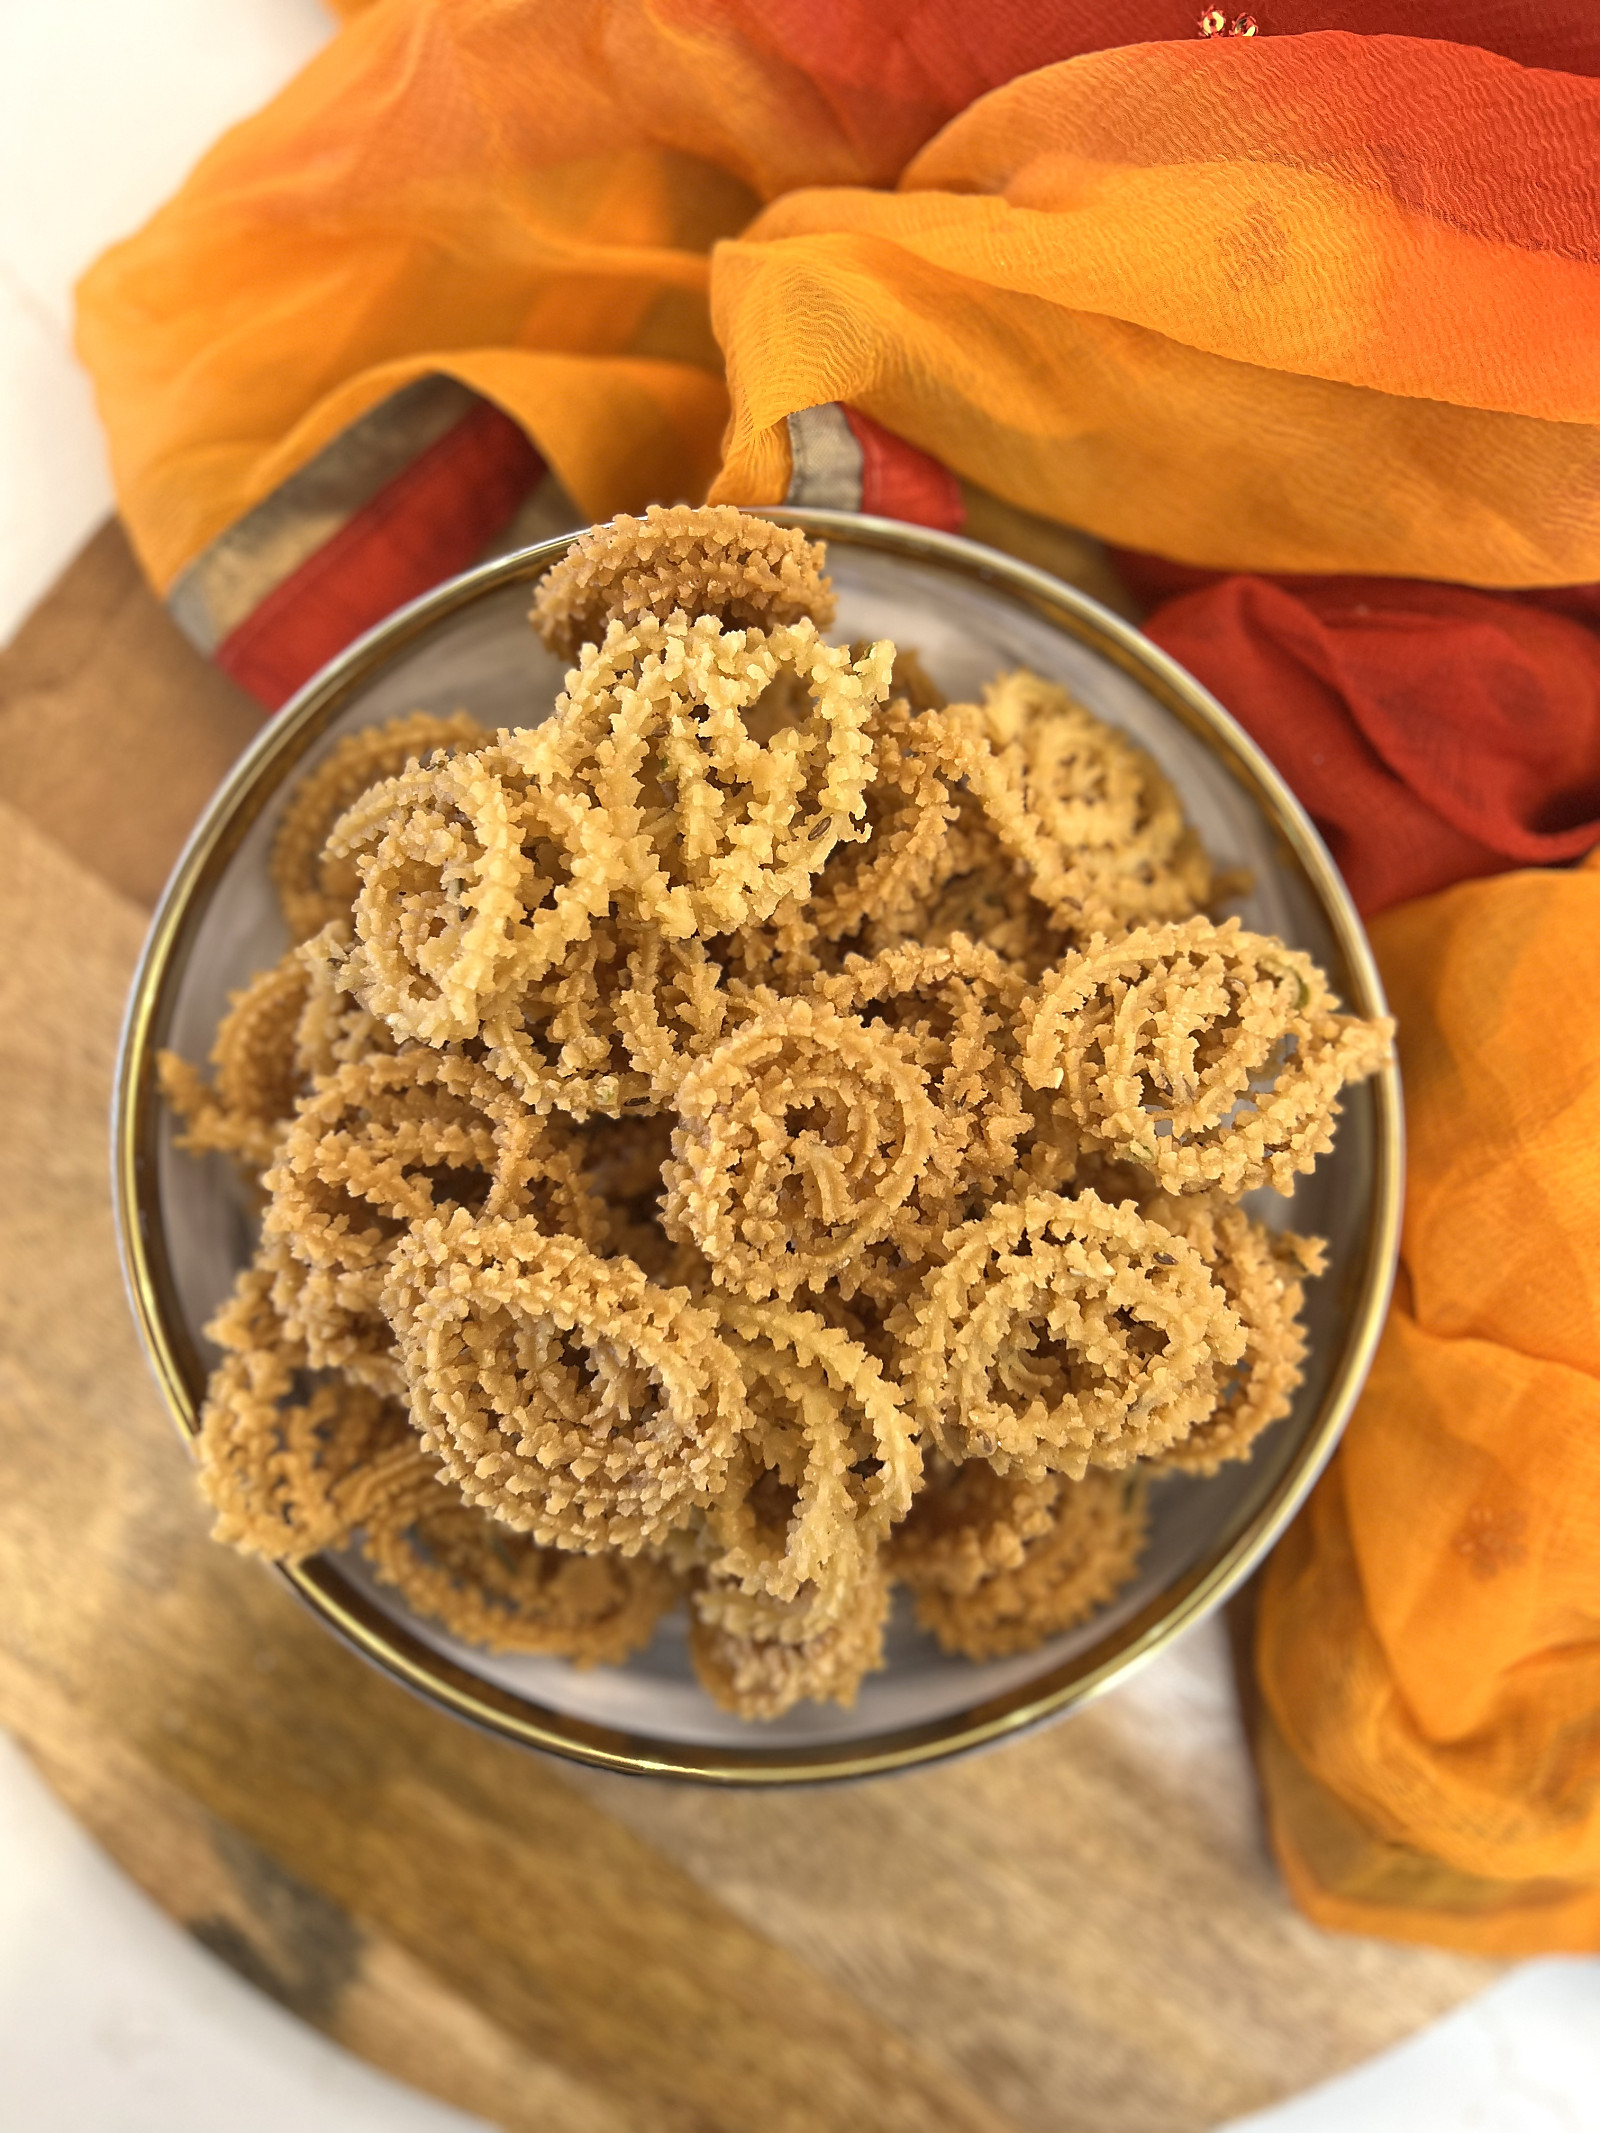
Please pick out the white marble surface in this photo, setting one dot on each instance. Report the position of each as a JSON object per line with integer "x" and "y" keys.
{"x": 111, "y": 2020}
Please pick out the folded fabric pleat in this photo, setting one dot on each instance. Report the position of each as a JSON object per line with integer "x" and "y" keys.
{"x": 1436, "y": 733}
{"x": 1429, "y": 1637}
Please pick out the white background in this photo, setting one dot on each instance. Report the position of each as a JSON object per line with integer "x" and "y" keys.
{"x": 111, "y": 2020}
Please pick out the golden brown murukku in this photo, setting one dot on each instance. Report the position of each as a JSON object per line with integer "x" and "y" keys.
{"x": 471, "y": 882}
{"x": 1206, "y": 1054}
{"x": 1087, "y": 1550}
{"x": 1263, "y": 1273}
{"x": 334, "y": 1313}
{"x": 334, "y": 1029}
{"x": 1061, "y": 1332}
{"x": 891, "y": 874}
{"x": 968, "y": 1522}
{"x": 799, "y": 1138}
{"x": 563, "y": 1392}
{"x": 956, "y": 1007}
{"x": 982, "y": 891}
{"x": 500, "y": 1590}
{"x": 243, "y": 1110}
{"x": 1086, "y": 812}
{"x": 611, "y": 1030}
{"x": 293, "y": 1463}
{"x": 313, "y": 885}
{"x": 398, "y": 1138}
{"x": 828, "y": 1466}
{"x": 723, "y": 562}
{"x": 719, "y": 820}
{"x": 759, "y": 1657}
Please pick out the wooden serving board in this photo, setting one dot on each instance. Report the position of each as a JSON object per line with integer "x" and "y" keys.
{"x": 1081, "y": 1930}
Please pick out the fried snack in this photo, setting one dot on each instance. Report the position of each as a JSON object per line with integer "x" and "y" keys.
{"x": 395, "y": 1139}
{"x": 334, "y": 1029}
{"x": 315, "y": 886}
{"x": 244, "y": 1110}
{"x": 333, "y": 1314}
{"x": 1208, "y": 1055}
{"x": 891, "y": 875}
{"x": 291, "y": 1471}
{"x": 983, "y": 891}
{"x": 744, "y": 571}
{"x": 968, "y": 1522}
{"x": 1097, "y": 827}
{"x": 1087, "y": 1548}
{"x": 619, "y": 1163}
{"x": 799, "y": 1138}
{"x": 563, "y": 1392}
{"x": 613, "y": 1028}
{"x": 1062, "y": 1332}
{"x": 1263, "y": 1273}
{"x": 956, "y": 1006}
{"x": 383, "y": 1143}
{"x": 471, "y": 883}
{"x": 759, "y": 1657}
{"x": 503, "y": 1592}
{"x": 663, "y": 733}
{"x": 830, "y": 1464}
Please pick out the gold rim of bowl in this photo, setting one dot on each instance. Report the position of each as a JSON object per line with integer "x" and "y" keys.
{"x": 181, "y": 1372}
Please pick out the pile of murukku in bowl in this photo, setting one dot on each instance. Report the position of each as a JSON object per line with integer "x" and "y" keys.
{"x": 748, "y": 1174}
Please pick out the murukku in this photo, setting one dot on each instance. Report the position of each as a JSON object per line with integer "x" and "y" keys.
{"x": 502, "y": 1592}
{"x": 334, "y": 1029}
{"x": 384, "y": 1143}
{"x": 1263, "y": 1273}
{"x": 611, "y": 1030}
{"x": 719, "y": 821}
{"x": 398, "y": 1138}
{"x": 334, "y": 1313}
{"x": 956, "y": 1007}
{"x": 745, "y": 571}
{"x": 828, "y": 1467}
{"x": 1097, "y": 826}
{"x": 968, "y": 1522}
{"x": 563, "y": 1392}
{"x": 1089, "y": 1548}
{"x": 1206, "y": 1054}
{"x": 292, "y": 1463}
{"x": 799, "y": 1138}
{"x": 1061, "y": 1332}
{"x": 890, "y": 875}
{"x": 982, "y": 892}
{"x": 245, "y": 1108}
{"x": 759, "y": 1657}
{"x": 471, "y": 882}
{"x": 314, "y": 885}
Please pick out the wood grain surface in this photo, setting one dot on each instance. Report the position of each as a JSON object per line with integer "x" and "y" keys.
{"x": 1079, "y": 1931}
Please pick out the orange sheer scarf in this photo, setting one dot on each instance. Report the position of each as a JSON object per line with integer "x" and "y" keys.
{"x": 1429, "y": 1639}
{"x": 1263, "y": 302}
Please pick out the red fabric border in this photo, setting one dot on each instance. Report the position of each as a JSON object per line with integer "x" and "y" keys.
{"x": 430, "y": 522}
{"x": 899, "y": 480}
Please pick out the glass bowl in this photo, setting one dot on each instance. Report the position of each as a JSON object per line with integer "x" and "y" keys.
{"x": 186, "y": 1227}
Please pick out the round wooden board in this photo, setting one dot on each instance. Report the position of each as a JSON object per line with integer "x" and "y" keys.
{"x": 1080, "y": 1930}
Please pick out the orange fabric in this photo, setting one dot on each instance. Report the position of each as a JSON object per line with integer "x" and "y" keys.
{"x": 1264, "y": 303}
{"x": 1429, "y": 1640}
